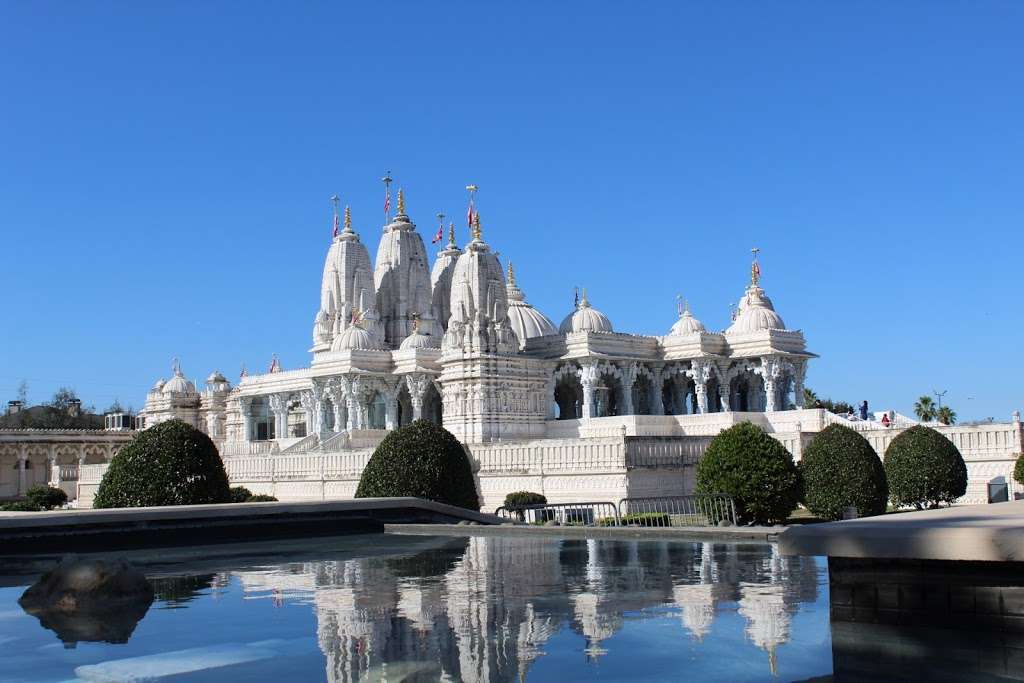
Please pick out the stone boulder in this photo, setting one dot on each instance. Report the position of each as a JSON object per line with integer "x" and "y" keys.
{"x": 91, "y": 600}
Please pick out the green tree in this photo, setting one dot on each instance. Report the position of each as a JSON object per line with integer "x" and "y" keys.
{"x": 755, "y": 469}
{"x": 171, "y": 463}
{"x": 840, "y": 469}
{"x": 924, "y": 469}
{"x": 1018, "y": 470}
{"x": 945, "y": 415}
{"x": 924, "y": 408}
{"x": 421, "y": 460}
{"x": 810, "y": 398}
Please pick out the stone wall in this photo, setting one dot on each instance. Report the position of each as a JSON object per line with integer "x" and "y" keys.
{"x": 30, "y": 457}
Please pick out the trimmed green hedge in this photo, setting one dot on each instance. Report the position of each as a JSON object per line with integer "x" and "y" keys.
{"x": 421, "y": 460}
{"x": 521, "y": 498}
{"x": 924, "y": 469}
{"x": 1018, "y": 470}
{"x": 753, "y": 468}
{"x": 171, "y": 463}
{"x": 46, "y": 497}
{"x": 839, "y": 469}
{"x": 240, "y": 494}
{"x": 260, "y": 498}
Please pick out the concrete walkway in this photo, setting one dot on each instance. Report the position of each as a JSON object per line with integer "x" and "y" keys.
{"x": 985, "y": 533}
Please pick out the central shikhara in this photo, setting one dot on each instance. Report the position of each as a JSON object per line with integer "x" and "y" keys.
{"x": 458, "y": 344}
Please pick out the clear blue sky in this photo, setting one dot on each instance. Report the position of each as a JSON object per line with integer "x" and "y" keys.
{"x": 165, "y": 171}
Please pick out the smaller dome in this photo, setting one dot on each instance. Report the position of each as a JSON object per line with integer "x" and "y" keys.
{"x": 755, "y": 313}
{"x": 216, "y": 376}
{"x": 585, "y": 318}
{"x": 526, "y": 321}
{"x": 355, "y": 338}
{"x": 178, "y": 385}
{"x": 686, "y": 324}
{"x": 158, "y": 385}
{"x": 418, "y": 340}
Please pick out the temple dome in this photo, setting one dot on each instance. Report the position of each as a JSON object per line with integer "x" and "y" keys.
{"x": 686, "y": 324}
{"x": 418, "y": 340}
{"x": 755, "y": 313}
{"x": 355, "y": 338}
{"x": 216, "y": 376}
{"x": 178, "y": 384}
{"x": 158, "y": 386}
{"x": 526, "y": 321}
{"x": 585, "y": 318}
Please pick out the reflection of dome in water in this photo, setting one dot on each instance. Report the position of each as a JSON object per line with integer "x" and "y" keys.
{"x": 764, "y": 608}
{"x": 697, "y": 604}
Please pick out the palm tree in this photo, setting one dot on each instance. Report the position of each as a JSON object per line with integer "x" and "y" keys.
{"x": 810, "y": 398}
{"x": 946, "y": 415}
{"x": 925, "y": 408}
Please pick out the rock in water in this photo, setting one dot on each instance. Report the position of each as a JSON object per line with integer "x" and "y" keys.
{"x": 90, "y": 600}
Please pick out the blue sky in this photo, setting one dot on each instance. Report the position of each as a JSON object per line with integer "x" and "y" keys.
{"x": 165, "y": 171}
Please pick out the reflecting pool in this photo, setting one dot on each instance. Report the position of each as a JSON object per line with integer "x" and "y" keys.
{"x": 421, "y": 608}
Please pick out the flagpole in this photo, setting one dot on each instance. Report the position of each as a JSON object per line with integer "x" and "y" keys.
{"x": 387, "y": 196}
{"x": 472, "y": 204}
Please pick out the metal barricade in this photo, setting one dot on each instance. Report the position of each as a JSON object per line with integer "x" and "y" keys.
{"x": 673, "y": 511}
{"x": 599, "y": 513}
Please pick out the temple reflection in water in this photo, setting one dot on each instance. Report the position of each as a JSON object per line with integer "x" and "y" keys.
{"x": 482, "y": 609}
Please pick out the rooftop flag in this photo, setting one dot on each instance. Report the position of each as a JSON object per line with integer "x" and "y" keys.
{"x": 387, "y": 194}
{"x": 334, "y": 201}
{"x": 471, "y": 212}
{"x": 439, "y": 235}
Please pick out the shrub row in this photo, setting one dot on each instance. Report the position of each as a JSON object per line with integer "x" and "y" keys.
{"x": 838, "y": 470}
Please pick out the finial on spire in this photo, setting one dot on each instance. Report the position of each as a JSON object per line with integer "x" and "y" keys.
{"x": 334, "y": 222}
{"x": 401, "y": 201}
{"x": 348, "y": 219}
{"x": 477, "y": 231}
{"x": 451, "y": 235}
{"x": 176, "y": 366}
{"x": 755, "y": 268}
{"x": 583, "y": 299}
{"x": 511, "y": 275}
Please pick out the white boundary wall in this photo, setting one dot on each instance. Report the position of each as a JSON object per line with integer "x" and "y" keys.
{"x": 601, "y": 458}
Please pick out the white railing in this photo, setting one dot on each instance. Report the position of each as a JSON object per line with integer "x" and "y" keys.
{"x": 91, "y": 474}
{"x": 308, "y": 444}
{"x": 232, "y": 449}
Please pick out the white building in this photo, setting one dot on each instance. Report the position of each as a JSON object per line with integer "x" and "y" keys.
{"x": 578, "y": 412}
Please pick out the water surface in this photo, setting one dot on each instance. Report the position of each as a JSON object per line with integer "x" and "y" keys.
{"x": 414, "y": 608}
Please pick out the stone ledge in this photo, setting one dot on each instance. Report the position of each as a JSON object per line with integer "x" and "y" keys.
{"x": 720, "y": 534}
{"x": 981, "y": 533}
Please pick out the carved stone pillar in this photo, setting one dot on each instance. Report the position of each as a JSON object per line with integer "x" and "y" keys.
{"x": 770, "y": 371}
{"x": 338, "y": 424}
{"x": 628, "y": 380}
{"x": 277, "y": 408}
{"x": 700, "y": 373}
{"x": 723, "y": 397}
{"x": 245, "y": 410}
{"x": 22, "y": 474}
{"x": 54, "y": 478}
{"x": 552, "y": 404}
{"x": 588, "y": 378}
{"x": 417, "y": 384}
{"x": 799, "y": 375}
{"x": 657, "y": 384}
{"x": 308, "y": 402}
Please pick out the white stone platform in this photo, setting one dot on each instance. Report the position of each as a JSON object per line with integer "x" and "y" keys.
{"x": 980, "y": 533}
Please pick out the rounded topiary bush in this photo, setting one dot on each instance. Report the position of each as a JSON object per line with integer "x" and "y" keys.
{"x": 240, "y": 494}
{"x": 171, "y": 463}
{"x": 924, "y": 469}
{"x": 521, "y": 498}
{"x": 753, "y": 468}
{"x": 839, "y": 469}
{"x": 46, "y": 497}
{"x": 421, "y": 460}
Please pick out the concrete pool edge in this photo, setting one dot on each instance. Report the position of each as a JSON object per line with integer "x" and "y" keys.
{"x": 720, "y": 534}
{"x": 129, "y": 528}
